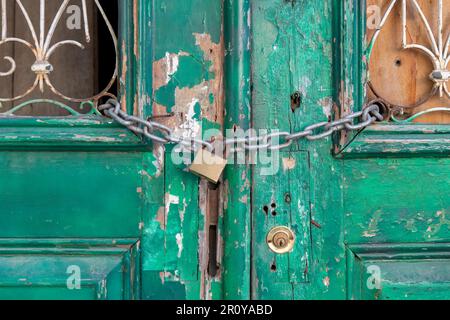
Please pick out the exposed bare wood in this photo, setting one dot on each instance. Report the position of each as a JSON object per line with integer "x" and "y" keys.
{"x": 403, "y": 76}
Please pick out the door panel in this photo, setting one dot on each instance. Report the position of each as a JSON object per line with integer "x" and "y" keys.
{"x": 378, "y": 197}
{"x": 396, "y": 200}
{"x": 405, "y": 271}
{"x": 52, "y": 268}
{"x": 282, "y": 199}
{"x": 87, "y": 177}
{"x": 77, "y": 194}
{"x": 292, "y": 56}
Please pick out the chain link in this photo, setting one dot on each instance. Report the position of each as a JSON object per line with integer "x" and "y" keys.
{"x": 162, "y": 134}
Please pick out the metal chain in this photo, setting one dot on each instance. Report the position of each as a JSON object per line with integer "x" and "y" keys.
{"x": 162, "y": 134}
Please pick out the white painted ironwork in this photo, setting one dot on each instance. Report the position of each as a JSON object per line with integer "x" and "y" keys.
{"x": 43, "y": 46}
{"x": 437, "y": 52}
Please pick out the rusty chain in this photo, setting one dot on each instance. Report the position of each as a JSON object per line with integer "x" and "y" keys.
{"x": 162, "y": 134}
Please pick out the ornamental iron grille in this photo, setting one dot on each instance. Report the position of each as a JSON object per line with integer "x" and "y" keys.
{"x": 43, "y": 45}
{"x": 410, "y": 16}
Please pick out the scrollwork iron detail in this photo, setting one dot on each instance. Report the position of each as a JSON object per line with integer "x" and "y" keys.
{"x": 437, "y": 52}
{"x": 43, "y": 47}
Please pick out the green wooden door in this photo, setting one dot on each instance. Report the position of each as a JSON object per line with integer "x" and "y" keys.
{"x": 90, "y": 210}
{"x": 70, "y": 180}
{"x": 368, "y": 208}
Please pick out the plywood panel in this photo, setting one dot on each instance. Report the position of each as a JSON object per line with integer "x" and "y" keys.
{"x": 402, "y": 76}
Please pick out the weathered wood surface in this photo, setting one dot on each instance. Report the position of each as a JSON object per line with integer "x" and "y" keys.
{"x": 75, "y": 70}
{"x": 237, "y": 178}
{"x": 386, "y": 208}
{"x": 402, "y": 76}
{"x": 380, "y": 201}
{"x": 187, "y": 81}
{"x": 292, "y": 46}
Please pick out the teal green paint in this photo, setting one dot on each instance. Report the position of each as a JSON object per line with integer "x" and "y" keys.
{"x": 38, "y": 270}
{"x": 191, "y": 72}
{"x": 293, "y": 53}
{"x": 409, "y": 271}
{"x": 153, "y": 234}
{"x": 180, "y": 19}
{"x": 278, "y": 274}
{"x": 386, "y": 187}
{"x": 166, "y": 95}
{"x": 181, "y": 236}
{"x": 72, "y": 133}
{"x": 401, "y": 209}
{"x": 394, "y": 198}
{"x": 387, "y": 140}
{"x": 174, "y": 290}
{"x": 171, "y": 246}
{"x": 59, "y": 203}
{"x": 100, "y": 193}
{"x": 128, "y": 67}
{"x": 237, "y": 187}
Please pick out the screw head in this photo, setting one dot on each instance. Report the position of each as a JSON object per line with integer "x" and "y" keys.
{"x": 440, "y": 75}
{"x": 42, "y": 67}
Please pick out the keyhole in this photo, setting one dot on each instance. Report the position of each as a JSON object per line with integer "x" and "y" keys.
{"x": 281, "y": 243}
{"x": 296, "y": 100}
{"x": 280, "y": 239}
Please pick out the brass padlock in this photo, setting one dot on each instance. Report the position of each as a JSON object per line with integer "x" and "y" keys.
{"x": 208, "y": 166}
{"x": 281, "y": 239}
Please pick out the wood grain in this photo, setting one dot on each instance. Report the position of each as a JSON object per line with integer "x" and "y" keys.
{"x": 402, "y": 76}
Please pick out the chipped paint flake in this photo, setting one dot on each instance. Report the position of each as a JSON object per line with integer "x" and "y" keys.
{"x": 327, "y": 106}
{"x": 172, "y": 62}
{"x": 288, "y": 164}
{"x": 171, "y": 199}
{"x": 165, "y": 68}
{"x": 161, "y": 218}
{"x": 326, "y": 281}
{"x": 190, "y": 127}
{"x": 179, "y": 238}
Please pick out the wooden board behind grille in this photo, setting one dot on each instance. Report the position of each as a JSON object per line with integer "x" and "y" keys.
{"x": 402, "y": 76}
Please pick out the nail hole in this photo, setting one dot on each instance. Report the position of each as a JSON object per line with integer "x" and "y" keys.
{"x": 266, "y": 209}
{"x": 398, "y": 62}
{"x": 287, "y": 198}
{"x": 273, "y": 205}
{"x": 274, "y": 213}
{"x": 273, "y": 267}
